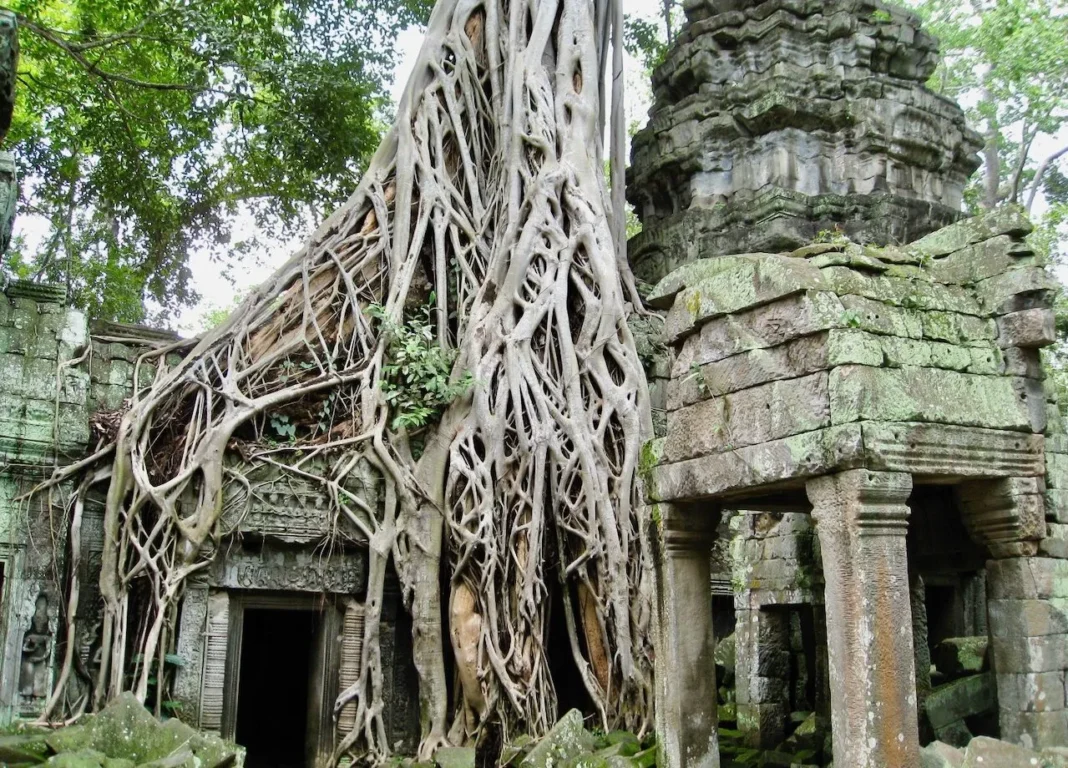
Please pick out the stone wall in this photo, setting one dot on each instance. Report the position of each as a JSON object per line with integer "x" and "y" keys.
{"x": 44, "y": 422}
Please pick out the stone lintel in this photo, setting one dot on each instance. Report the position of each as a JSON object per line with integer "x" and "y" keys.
{"x": 42, "y": 293}
{"x": 933, "y": 451}
{"x": 1003, "y": 514}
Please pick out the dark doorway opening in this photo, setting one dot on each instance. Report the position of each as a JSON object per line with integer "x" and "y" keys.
{"x": 571, "y": 691}
{"x": 272, "y": 700}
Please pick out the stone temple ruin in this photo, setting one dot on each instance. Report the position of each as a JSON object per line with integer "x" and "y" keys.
{"x": 286, "y": 594}
{"x": 859, "y": 481}
{"x": 856, "y": 448}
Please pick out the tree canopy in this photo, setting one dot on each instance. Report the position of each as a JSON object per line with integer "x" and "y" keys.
{"x": 143, "y": 127}
{"x": 1004, "y": 60}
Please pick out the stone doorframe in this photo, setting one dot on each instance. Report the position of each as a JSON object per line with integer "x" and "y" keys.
{"x": 324, "y": 662}
{"x": 861, "y": 518}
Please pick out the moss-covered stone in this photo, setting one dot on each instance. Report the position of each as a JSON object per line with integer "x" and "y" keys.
{"x": 125, "y": 730}
{"x": 566, "y": 740}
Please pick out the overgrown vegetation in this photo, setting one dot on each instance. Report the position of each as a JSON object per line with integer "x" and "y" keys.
{"x": 145, "y": 129}
{"x": 473, "y": 290}
{"x": 417, "y": 372}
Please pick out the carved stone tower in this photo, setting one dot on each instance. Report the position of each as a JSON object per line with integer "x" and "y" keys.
{"x": 775, "y": 120}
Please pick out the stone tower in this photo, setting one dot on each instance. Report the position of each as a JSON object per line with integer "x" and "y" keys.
{"x": 776, "y": 120}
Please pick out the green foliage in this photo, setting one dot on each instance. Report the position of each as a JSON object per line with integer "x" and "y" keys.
{"x": 695, "y": 373}
{"x": 417, "y": 379}
{"x": 282, "y": 426}
{"x": 644, "y": 40}
{"x": 850, "y": 318}
{"x": 1006, "y": 60}
{"x": 831, "y": 237}
{"x": 143, "y": 127}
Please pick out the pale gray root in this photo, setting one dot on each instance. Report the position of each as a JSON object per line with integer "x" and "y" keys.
{"x": 488, "y": 195}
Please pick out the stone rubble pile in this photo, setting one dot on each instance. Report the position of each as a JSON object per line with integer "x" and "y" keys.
{"x": 984, "y": 752}
{"x": 123, "y": 735}
{"x": 567, "y": 745}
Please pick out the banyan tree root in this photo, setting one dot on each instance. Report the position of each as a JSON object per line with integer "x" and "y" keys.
{"x": 487, "y": 199}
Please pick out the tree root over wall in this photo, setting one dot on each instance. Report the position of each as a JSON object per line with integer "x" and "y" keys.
{"x": 487, "y": 199}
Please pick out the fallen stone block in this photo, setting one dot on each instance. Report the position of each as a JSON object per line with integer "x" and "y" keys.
{"x": 125, "y": 730}
{"x": 940, "y": 755}
{"x": 566, "y": 740}
{"x": 455, "y": 757}
{"x": 953, "y": 702}
{"x": 984, "y": 752}
{"x": 959, "y": 656}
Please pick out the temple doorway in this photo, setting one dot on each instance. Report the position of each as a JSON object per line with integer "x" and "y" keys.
{"x": 272, "y": 702}
{"x": 282, "y": 678}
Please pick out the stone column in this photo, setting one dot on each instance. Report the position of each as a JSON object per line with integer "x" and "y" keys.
{"x": 762, "y": 663}
{"x": 1027, "y": 608}
{"x": 920, "y": 642}
{"x": 686, "y": 711}
{"x": 190, "y": 647}
{"x": 861, "y": 519}
{"x": 1028, "y": 617}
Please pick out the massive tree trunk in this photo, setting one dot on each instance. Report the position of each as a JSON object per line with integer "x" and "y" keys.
{"x": 487, "y": 199}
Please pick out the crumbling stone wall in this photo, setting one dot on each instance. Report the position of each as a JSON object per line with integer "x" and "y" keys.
{"x": 63, "y": 384}
{"x": 859, "y": 373}
{"x": 775, "y": 120}
{"x": 43, "y": 422}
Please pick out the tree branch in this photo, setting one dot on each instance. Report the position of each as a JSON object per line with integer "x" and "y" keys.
{"x": 76, "y": 53}
{"x": 1036, "y": 183}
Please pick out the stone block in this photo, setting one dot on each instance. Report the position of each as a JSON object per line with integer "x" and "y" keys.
{"x": 878, "y": 317}
{"x": 751, "y": 416}
{"x": 1031, "y": 691}
{"x": 1056, "y": 542}
{"x": 730, "y": 284}
{"x": 1019, "y": 654}
{"x": 1030, "y": 328}
{"x": 903, "y": 292}
{"x": 1032, "y": 394}
{"x": 565, "y": 740}
{"x": 1034, "y": 730}
{"x": 981, "y": 260}
{"x": 1056, "y": 502}
{"x": 1021, "y": 361}
{"x": 1020, "y": 578}
{"x": 1026, "y": 618}
{"x": 939, "y": 449}
{"x": 959, "y": 656}
{"x": 760, "y": 328}
{"x": 997, "y": 295}
{"x": 455, "y": 757}
{"x": 1057, "y": 470}
{"x": 796, "y": 358}
{"x": 799, "y": 456}
{"x": 925, "y": 395}
{"x": 984, "y": 752}
{"x": 940, "y": 755}
{"x": 952, "y": 702}
{"x": 956, "y": 237}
